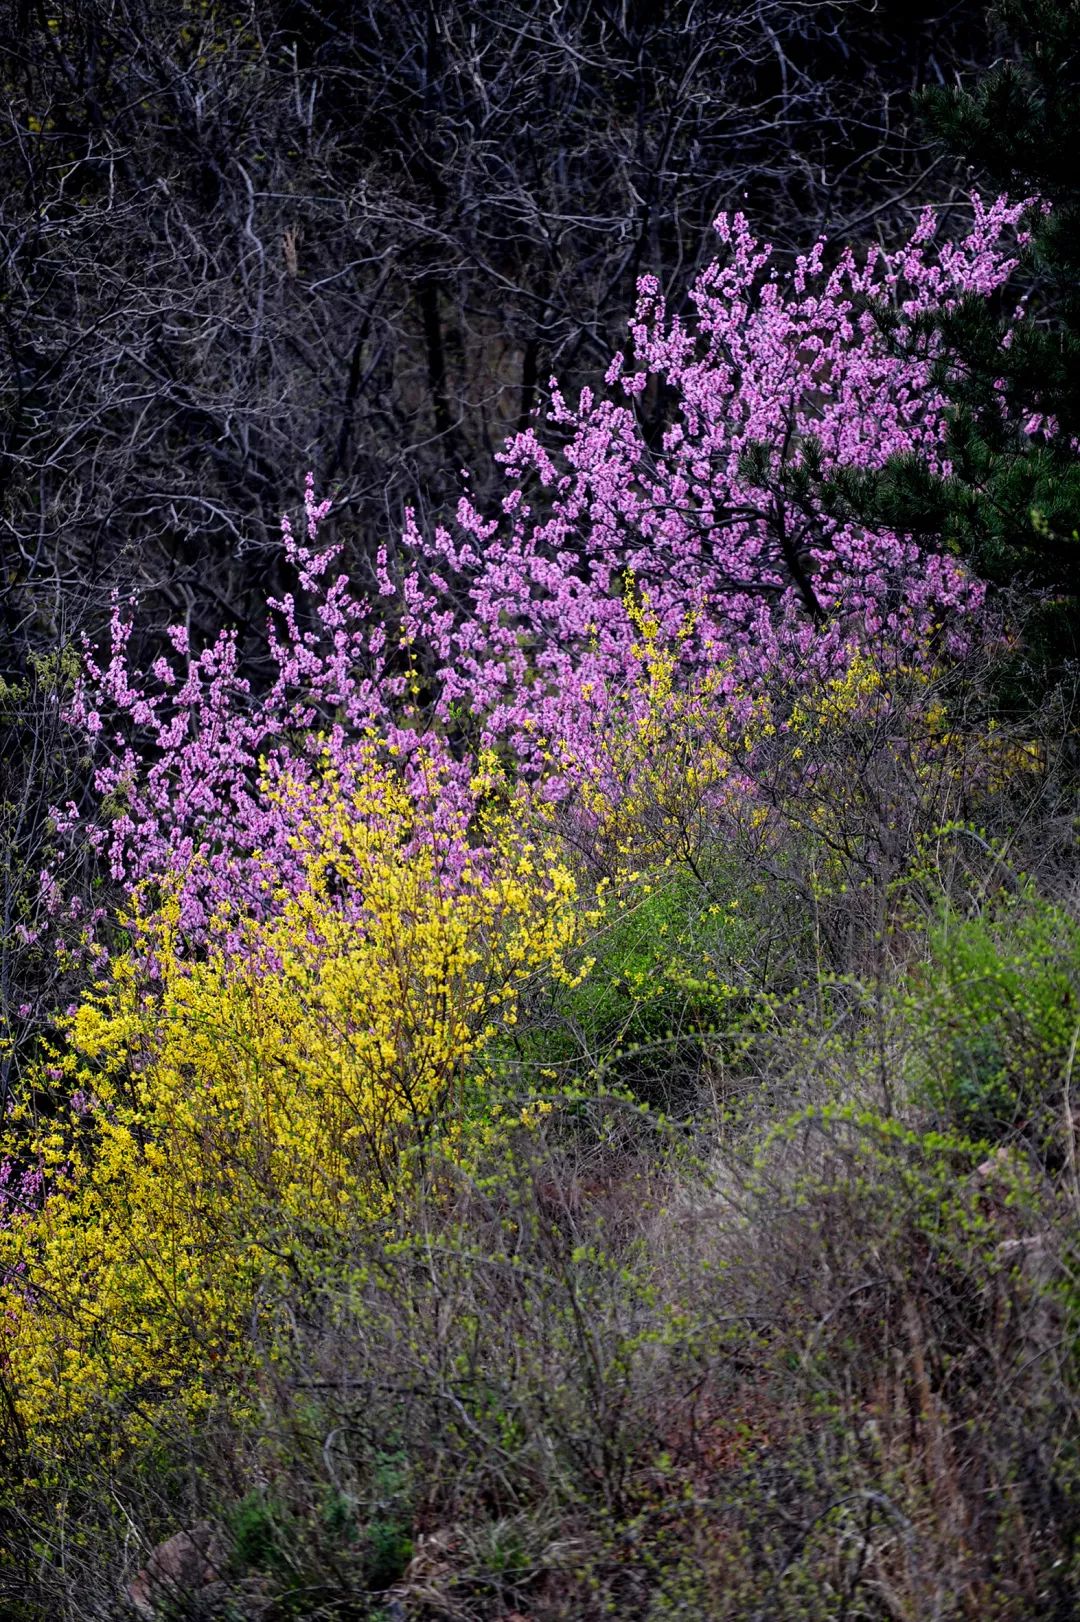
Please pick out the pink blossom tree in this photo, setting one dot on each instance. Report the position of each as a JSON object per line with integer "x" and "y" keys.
{"x": 688, "y": 482}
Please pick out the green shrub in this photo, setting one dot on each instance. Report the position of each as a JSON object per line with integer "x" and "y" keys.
{"x": 676, "y": 975}
{"x": 256, "y": 1532}
{"x": 999, "y": 1026}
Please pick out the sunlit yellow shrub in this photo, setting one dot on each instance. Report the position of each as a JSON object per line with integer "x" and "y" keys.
{"x": 669, "y": 758}
{"x": 886, "y": 752}
{"x": 854, "y": 760}
{"x": 270, "y": 1089}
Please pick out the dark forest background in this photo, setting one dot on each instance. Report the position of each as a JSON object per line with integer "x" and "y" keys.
{"x": 241, "y": 241}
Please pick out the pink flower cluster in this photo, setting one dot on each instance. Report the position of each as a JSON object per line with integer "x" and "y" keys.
{"x": 21, "y": 1192}
{"x": 525, "y": 615}
{"x": 678, "y": 484}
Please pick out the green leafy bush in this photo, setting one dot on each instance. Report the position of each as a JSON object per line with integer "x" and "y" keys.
{"x": 1001, "y": 1021}
{"x": 679, "y": 975}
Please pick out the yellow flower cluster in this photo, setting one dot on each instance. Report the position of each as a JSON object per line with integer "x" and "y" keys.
{"x": 270, "y": 1089}
{"x": 838, "y": 700}
{"x": 666, "y": 764}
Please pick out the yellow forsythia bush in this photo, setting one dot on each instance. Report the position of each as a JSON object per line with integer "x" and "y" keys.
{"x": 668, "y": 759}
{"x": 259, "y": 1093}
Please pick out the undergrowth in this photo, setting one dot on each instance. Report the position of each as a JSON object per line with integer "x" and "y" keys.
{"x": 721, "y": 1262}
